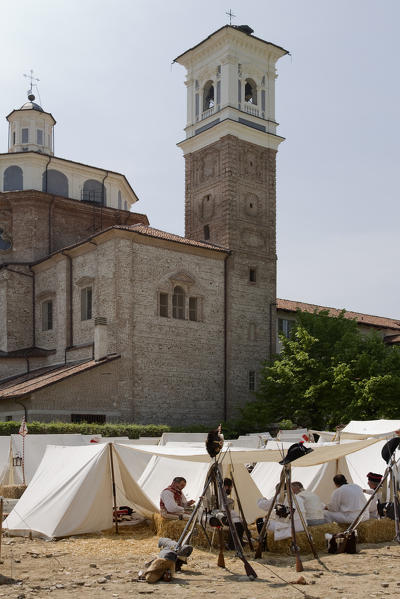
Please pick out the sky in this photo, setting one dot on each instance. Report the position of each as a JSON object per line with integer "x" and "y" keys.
{"x": 106, "y": 75}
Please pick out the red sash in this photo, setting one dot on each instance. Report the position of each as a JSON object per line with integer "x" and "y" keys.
{"x": 177, "y": 496}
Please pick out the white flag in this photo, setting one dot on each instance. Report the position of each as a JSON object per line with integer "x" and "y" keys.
{"x": 23, "y": 429}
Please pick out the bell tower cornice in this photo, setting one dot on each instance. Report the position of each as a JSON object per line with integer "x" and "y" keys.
{"x": 231, "y": 89}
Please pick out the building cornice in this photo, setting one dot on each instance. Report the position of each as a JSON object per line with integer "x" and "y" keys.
{"x": 229, "y": 35}
{"x": 42, "y": 159}
{"x": 230, "y": 127}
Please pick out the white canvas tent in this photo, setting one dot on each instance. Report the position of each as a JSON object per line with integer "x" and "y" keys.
{"x": 361, "y": 429}
{"x": 4, "y": 456}
{"x": 371, "y": 428}
{"x": 194, "y": 462}
{"x": 317, "y": 469}
{"x": 71, "y": 493}
{"x": 182, "y": 438}
{"x": 161, "y": 470}
{"x": 35, "y": 447}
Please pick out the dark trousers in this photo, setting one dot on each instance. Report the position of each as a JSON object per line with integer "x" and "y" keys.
{"x": 240, "y": 530}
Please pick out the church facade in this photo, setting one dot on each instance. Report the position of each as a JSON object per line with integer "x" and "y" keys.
{"x": 104, "y": 318}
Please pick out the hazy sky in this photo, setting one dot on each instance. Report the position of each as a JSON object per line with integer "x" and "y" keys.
{"x": 106, "y": 76}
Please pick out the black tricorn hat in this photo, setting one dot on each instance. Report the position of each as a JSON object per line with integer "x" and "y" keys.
{"x": 295, "y": 451}
{"x": 214, "y": 442}
{"x": 389, "y": 448}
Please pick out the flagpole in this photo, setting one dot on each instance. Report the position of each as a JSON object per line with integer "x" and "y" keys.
{"x": 23, "y": 431}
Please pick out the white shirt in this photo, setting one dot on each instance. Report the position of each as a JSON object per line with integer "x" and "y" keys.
{"x": 348, "y": 498}
{"x": 282, "y": 526}
{"x": 312, "y": 505}
{"x": 373, "y": 506}
{"x": 264, "y": 504}
{"x": 167, "y": 497}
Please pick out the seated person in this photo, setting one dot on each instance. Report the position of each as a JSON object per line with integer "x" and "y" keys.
{"x": 373, "y": 481}
{"x": 282, "y": 525}
{"x": 346, "y": 502}
{"x": 173, "y": 503}
{"x": 235, "y": 516}
{"x": 313, "y": 508}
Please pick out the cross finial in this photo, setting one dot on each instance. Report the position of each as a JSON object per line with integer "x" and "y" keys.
{"x": 231, "y": 16}
{"x": 32, "y": 78}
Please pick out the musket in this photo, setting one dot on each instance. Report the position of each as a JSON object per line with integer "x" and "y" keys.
{"x": 263, "y": 532}
{"x": 299, "y": 565}
{"x": 221, "y": 558}
{"x": 238, "y": 547}
{"x": 308, "y": 535}
{"x": 246, "y": 528}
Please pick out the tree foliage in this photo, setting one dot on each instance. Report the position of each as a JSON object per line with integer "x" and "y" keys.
{"x": 327, "y": 373}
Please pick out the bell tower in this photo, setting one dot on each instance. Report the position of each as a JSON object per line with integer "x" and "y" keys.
{"x": 230, "y": 193}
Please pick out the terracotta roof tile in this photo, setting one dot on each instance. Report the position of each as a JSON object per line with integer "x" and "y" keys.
{"x": 392, "y": 339}
{"x": 33, "y": 381}
{"x": 151, "y": 232}
{"x": 365, "y": 319}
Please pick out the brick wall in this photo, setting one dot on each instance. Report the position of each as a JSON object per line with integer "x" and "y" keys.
{"x": 15, "y": 308}
{"x": 40, "y": 223}
{"x": 230, "y": 186}
{"x": 178, "y": 365}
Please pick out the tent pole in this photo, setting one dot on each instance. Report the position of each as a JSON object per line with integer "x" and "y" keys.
{"x": 113, "y": 489}
{"x": 295, "y": 548}
{"x": 263, "y": 536}
{"x": 244, "y": 521}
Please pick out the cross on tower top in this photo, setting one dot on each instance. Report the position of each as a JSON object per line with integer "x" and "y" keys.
{"x": 231, "y": 16}
{"x": 32, "y": 78}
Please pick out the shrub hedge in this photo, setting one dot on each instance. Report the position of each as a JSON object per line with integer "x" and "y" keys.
{"x": 133, "y": 431}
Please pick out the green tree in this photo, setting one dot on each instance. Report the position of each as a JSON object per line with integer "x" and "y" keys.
{"x": 327, "y": 373}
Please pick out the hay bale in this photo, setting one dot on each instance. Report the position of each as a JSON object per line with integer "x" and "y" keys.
{"x": 376, "y": 531}
{"x": 318, "y": 537}
{"x": 173, "y": 530}
{"x": 12, "y": 491}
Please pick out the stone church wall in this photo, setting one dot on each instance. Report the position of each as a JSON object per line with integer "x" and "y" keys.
{"x": 177, "y": 364}
{"x": 15, "y": 309}
{"x": 39, "y": 223}
{"x": 230, "y": 188}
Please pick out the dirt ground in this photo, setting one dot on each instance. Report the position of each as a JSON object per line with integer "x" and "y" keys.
{"x": 107, "y": 566}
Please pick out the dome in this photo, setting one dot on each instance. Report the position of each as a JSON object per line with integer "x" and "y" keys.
{"x": 31, "y": 105}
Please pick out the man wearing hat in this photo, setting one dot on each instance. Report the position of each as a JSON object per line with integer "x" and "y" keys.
{"x": 373, "y": 481}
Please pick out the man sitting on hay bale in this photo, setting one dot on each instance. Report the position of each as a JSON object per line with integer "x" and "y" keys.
{"x": 313, "y": 507}
{"x": 373, "y": 481}
{"x": 346, "y": 502}
{"x": 173, "y": 503}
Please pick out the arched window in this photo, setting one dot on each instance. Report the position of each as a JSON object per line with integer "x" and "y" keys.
{"x": 208, "y": 95}
{"x": 119, "y": 200}
{"x": 13, "y": 179}
{"x": 178, "y": 303}
{"x": 55, "y": 182}
{"x": 250, "y": 91}
{"x": 94, "y": 191}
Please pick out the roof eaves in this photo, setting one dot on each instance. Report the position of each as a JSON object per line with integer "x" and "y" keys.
{"x": 236, "y": 29}
{"x": 98, "y": 168}
{"x": 182, "y": 241}
{"x": 68, "y": 374}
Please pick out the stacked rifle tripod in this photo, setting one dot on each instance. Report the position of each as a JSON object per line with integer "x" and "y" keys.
{"x": 285, "y": 483}
{"x": 390, "y": 480}
{"x": 215, "y": 483}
